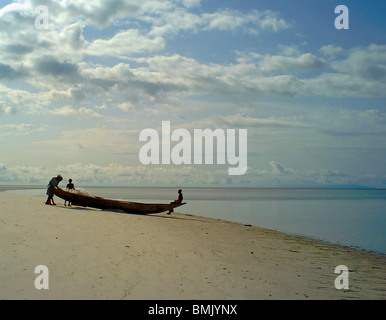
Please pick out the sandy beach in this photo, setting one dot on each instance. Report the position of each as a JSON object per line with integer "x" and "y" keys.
{"x": 94, "y": 254}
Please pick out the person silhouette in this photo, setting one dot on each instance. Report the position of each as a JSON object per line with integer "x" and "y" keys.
{"x": 180, "y": 197}
{"x": 178, "y": 201}
{"x": 70, "y": 186}
{"x": 54, "y": 182}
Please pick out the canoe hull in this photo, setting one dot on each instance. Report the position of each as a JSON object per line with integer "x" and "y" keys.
{"x": 110, "y": 204}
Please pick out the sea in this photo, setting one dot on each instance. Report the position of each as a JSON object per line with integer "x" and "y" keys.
{"x": 350, "y": 217}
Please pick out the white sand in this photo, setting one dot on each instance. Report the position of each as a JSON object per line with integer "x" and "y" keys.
{"x": 93, "y": 254}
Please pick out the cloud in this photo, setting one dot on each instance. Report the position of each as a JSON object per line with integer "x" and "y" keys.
{"x": 18, "y": 49}
{"x": 331, "y": 50}
{"x": 167, "y": 77}
{"x": 366, "y": 63}
{"x": 74, "y": 34}
{"x": 347, "y": 122}
{"x": 279, "y": 169}
{"x": 16, "y": 100}
{"x": 11, "y": 130}
{"x": 226, "y": 20}
{"x": 102, "y": 12}
{"x": 360, "y": 73}
{"x": 241, "y": 121}
{"x": 125, "y": 43}
{"x": 19, "y": 127}
{"x": 65, "y": 111}
{"x": 169, "y": 20}
{"x": 271, "y": 20}
{"x": 8, "y": 73}
{"x": 252, "y": 22}
{"x": 99, "y": 142}
{"x": 51, "y": 66}
{"x": 88, "y": 112}
{"x": 118, "y": 174}
{"x": 239, "y": 81}
{"x": 92, "y": 174}
{"x": 69, "y": 111}
{"x": 302, "y": 63}
{"x": 21, "y": 174}
{"x": 126, "y": 106}
{"x": 14, "y": 7}
{"x": 98, "y": 12}
{"x": 284, "y": 176}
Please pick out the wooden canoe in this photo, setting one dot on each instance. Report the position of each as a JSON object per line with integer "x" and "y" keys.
{"x": 110, "y": 204}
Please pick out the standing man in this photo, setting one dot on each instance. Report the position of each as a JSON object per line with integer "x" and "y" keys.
{"x": 70, "y": 186}
{"x": 53, "y": 184}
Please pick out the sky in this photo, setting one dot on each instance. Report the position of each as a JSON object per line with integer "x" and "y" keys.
{"x": 75, "y": 96}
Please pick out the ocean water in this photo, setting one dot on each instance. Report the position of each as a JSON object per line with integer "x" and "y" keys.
{"x": 352, "y": 217}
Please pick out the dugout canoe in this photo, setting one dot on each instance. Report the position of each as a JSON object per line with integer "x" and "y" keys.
{"x": 82, "y": 200}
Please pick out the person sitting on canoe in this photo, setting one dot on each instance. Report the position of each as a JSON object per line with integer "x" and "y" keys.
{"x": 178, "y": 201}
{"x": 70, "y": 186}
{"x": 180, "y": 198}
{"x": 54, "y": 182}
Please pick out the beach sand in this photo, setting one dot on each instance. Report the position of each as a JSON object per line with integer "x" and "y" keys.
{"x": 94, "y": 254}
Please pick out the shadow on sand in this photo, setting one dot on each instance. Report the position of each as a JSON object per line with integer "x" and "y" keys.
{"x": 153, "y": 215}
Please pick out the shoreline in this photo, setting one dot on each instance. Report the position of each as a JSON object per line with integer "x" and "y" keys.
{"x": 20, "y": 187}
{"x": 36, "y": 187}
{"x": 94, "y": 254}
{"x": 28, "y": 187}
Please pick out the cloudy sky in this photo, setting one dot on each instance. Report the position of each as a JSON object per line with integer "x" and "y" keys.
{"x": 75, "y": 96}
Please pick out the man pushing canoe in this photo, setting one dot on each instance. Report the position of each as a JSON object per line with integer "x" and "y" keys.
{"x": 53, "y": 184}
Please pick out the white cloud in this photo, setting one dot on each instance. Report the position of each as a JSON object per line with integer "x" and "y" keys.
{"x": 240, "y": 81}
{"x": 302, "y": 63}
{"x": 331, "y": 50}
{"x": 225, "y": 20}
{"x": 117, "y": 174}
{"x": 126, "y": 106}
{"x": 70, "y": 111}
{"x": 241, "y": 121}
{"x": 88, "y": 112}
{"x": 21, "y": 174}
{"x": 171, "y": 20}
{"x": 64, "y": 111}
{"x": 14, "y": 7}
{"x": 366, "y": 63}
{"x": 125, "y": 43}
{"x": 252, "y": 22}
{"x": 98, "y": 12}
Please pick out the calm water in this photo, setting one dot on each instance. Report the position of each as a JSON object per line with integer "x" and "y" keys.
{"x": 353, "y": 217}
